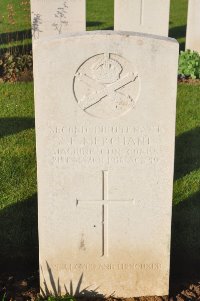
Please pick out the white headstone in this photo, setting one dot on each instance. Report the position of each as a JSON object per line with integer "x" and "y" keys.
{"x": 148, "y": 16}
{"x": 105, "y": 124}
{"x": 54, "y": 17}
{"x": 193, "y": 26}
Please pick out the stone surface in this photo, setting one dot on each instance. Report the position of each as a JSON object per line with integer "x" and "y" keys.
{"x": 147, "y": 16}
{"x": 193, "y": 26}
{"x": 54, "y": 17}
{"x": 105, "y": 126}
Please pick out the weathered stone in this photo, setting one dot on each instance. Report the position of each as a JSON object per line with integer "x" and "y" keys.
{"x": 148, "y": 16}
{"x": 54, "y": 17}
{"x": 105, "y": 123}
{"x": 193, "y": 26}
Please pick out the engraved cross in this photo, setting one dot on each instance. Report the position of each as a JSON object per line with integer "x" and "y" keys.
{"x": 105, "y": 202}
{"x": 141, "y": 11}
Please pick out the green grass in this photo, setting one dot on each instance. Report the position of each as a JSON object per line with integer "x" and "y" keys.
{"x": 186, "y": 196}
{"x": 17, "y": 172}
{"x": 15, "y": 23}
{"x": 18, "y": 201}
{"x": 100, "y": 14}
{"x": 178, "y": 21}
{"x": 17, "y": 135}
{"x": 21, "y": 16}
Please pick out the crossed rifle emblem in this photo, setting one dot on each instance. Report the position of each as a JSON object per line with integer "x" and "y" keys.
{"x": 103, "y": 90}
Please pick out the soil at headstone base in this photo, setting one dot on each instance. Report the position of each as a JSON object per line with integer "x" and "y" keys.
{"x": 189, "y": 81}
{"x": 26, "y": 287}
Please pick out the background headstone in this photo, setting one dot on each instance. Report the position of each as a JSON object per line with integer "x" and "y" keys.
{"x": 54, "y": 17}
{"x": 193, "y": 26}
{"x": 105, "y": 126}
{"x": 148, "y": 16}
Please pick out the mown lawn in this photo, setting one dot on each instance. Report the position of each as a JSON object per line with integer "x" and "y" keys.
{"x": 18, "y": 199}
{"x": 14, "y": 15}
{"x": 18, "y": 206}
{"x": 186, "y": 196}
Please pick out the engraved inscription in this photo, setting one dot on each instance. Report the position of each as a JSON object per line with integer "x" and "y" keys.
{"x": 105, "y": 202}
{"x": 108, "y": 267}
{"x": 103, "y": 146}
{"x": 106, "y": 86}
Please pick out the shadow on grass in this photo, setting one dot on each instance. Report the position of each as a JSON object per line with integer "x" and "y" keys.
{"x": 109, "y": 28}
{"x": 21, "y": 49}
{"x": 89, "y": 26}
{"x": 10, "y": 37}
{"x": 19, "y": 236}
{"x": 185, "y": 245}
{"x": 187, "y": 158}
{"x": 93, "y": 23}
{"x": 177, "y": 33}
{"x": 10, "y": 126}
{"x": 182, "y": 46}
{"x": 51, "y": 286}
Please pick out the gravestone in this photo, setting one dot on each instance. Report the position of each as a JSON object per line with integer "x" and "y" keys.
{"x": 193, "y": 26}
{"x": 54, "y": 17}
{"x": 148, "y": 16}
{"x": 105, "y": 127}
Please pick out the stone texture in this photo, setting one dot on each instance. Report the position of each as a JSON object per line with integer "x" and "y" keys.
{"x": 105, "y": 126}
{"x": 54, "y": 17}
{"x": 193, "y": 26}
{"x": 147, "y": 16}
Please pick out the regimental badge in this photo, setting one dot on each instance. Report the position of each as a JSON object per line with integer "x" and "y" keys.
{"x": 106, "y": 86}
